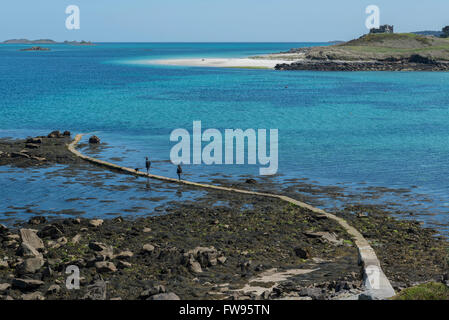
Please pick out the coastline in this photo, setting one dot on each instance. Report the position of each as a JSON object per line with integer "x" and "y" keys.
{"x": 313, "y": 253}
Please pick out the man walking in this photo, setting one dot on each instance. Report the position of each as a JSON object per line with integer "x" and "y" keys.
{"x": 179, "y": 172}
{"x": 147, "y": 164}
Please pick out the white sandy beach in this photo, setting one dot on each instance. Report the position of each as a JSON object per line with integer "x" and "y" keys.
{"x": 221, "y": 62}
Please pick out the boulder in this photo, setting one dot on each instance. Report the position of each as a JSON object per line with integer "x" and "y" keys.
{"x": 194, "y": 267}
{"x": 54, "y": 134}
{"x": 76, "y": 239}
{"x": 165, "y": 296}
{"x": 30, "y": 265}
{"x": 105, "y": 266}
{"x": 95, "y": 223}
{"x": 34, "y": 140}
{"x": 152, "y": 291}
{"x": 26, "y": 250}
{"x": 53, "y": 289}
{"x": 148, "y": 248}
{"x": 96, "y": 291}
{"x": 94, "y": 140}
{"x": 302, "y": 253}
{"x": 4, "y": 287}
{"x": 207, "y": 257}
{"x": 26, "y": 284}
{"x": 51, "y": 231}
{"x": 97, "y": 246}
{"x": 3, "y": 229}
{"x": 33, "y": 296}
{"x": 20, "y": 155}
{"x": 66, "y": 133}
{"x": 32, "y": 239}
{"x": 32, "y": 146}
{"x": 37, "y": 220}
{"x": 124, "y": 255}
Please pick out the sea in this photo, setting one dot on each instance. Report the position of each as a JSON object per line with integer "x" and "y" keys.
{"x": 383, "y": 134}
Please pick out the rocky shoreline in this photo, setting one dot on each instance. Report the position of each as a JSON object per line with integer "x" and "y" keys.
{"x": 414, "y": 63}
{"x": 248, "y": 248}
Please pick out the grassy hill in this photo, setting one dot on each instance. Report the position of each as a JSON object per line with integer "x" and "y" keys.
{"x": 384, "y": 46}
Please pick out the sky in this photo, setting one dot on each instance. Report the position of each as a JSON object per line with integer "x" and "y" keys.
{"x": 214, "y": 20}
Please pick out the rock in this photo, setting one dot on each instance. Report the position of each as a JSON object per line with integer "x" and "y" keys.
{"x": 26, "y": 250}
{"x": 34, "y": 140}
{"x": 54, "y": 134}
{"x": 31, "y": 238}
{"x": 207, "y": 257}
{"x": 97, "y": 246}
{"x": 221, "y": 260}
{"x": 96, "y": 291}
{"x": 4, "y": 287}
{"x": 105, "y": 266}
{"x": 95, "y": 223}
{"x": 152, "y": 291}
{"x": 26, "y": 284}
{"x": 4, "y": 264}
{"x": 314, "y": 293}
{"x": 30, "y": 265}
{"x": 32, "y": 146}
{"x": 148, "y": 248}
{"x": 302, "y": 253}
{"x": 251, "y": 181}
{"x": 165, "y": 296}
{"x": 3, "y": 229}
{"x": 123, "y": 264}
{"x": 94, "y": 140}
{"x": 37, "y": 220}
{"x": 76, "y": 239}
{"x": 327, "y": 236}
{"x": 124, "y": 255}
{"x": 146, "y": 230}
{"x": 38, "y": 158}
{"x": 195, "y": 267}
{"x": 51, "y": 231}
{"x": 53, "y": 289}
{"x": 33, "y": 296}
{"x": 19, "y": 155}
{"x": 104, "y": 255}
{"x": 66, "y": 133}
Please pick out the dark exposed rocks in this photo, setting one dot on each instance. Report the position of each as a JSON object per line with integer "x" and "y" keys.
{"x": 94, "y": 140}
{"x": 37, "y": 220}
{"x": 55, "y": 134}
{"x": 413, "y": 63}
{"x": 302, "y": 253}
{"x": 26, "y": 284}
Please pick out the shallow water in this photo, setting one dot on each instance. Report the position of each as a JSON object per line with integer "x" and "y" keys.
{"x": 355, "y": 130}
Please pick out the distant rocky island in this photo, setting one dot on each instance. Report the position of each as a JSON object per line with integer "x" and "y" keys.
{"x": 373, "y": 52}
{"x": 35, "y": 49}
{"x": 46, "y": 41}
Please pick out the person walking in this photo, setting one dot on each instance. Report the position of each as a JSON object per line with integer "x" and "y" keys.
{"x": 147, "y": 164}
{"x": 179, "y": 172}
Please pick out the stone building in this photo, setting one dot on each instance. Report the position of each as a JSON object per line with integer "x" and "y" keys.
{"x": 386, "y": 28}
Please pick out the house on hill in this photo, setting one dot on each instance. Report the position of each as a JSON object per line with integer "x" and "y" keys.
{"x": 386, "y": 28}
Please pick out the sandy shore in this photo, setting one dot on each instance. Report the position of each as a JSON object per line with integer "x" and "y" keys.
{"x": 221, "y": 62}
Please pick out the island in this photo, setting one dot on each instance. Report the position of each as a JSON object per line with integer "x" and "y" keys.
{"x": 47, "y": 41}
{"x": 35, "y": 49}
{"x": 373, "y": 52}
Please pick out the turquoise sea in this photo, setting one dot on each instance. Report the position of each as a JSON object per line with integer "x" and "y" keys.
{"x": 360, "y": 130}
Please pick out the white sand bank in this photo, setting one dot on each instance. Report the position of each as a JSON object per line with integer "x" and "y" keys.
{"x": 221, "y": 62}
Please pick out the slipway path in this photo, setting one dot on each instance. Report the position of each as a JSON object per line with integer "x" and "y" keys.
{"x": 377, "y": 284}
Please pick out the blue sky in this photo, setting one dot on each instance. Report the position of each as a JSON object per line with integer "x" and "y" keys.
{"x": 214, "y": 20}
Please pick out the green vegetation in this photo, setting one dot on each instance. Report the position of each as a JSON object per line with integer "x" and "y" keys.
{"x": 428, "y": 291}
{"x": 381, "y": 46}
